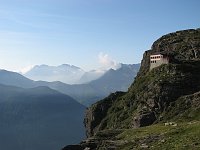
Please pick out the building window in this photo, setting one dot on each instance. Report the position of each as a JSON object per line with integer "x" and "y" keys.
{"x": 153, "y": 61}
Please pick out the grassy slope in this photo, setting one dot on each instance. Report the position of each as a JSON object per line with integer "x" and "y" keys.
{"x": 184, "y": 136}
{"x": 123, "y": 109}
{"x": 185, "y": 110}
{"x": 174, "y": 87}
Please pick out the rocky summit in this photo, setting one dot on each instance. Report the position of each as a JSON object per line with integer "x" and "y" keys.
{"x": 161, "y": 109}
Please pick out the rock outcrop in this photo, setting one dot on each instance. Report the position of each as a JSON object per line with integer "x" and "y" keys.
{"x": 154, "y": 91}
{"x": 167, "y": 92}
{"x": 97, "y": 112}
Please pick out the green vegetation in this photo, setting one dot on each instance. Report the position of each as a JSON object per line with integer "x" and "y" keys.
{"x": 171, "y": 81}
{"x": 168, "y": 93}
{"x": 186, "y": 108}
{"x": 183, "y": 136}
{"x": 178, "y": 136}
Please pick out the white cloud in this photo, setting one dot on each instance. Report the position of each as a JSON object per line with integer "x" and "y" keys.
{"x": 107, "y": 62}
{"x": 26, "y": 69}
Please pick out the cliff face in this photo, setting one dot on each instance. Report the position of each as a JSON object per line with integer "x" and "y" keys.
{"x": 97, "y": 112}
{"x": 170, "y": 92}
{"x": 152, "y": 95}
{"x": 183, "y": 43}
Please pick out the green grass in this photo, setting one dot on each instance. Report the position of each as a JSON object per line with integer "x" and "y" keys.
{"x": 184, "y": 136}
{"x": 174, "y": 79}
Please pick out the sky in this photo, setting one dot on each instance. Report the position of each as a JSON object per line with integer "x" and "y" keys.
{"x": 87, "y": 33}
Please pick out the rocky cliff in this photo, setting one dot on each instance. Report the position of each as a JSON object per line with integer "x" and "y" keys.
{"x": 166, "y": 93}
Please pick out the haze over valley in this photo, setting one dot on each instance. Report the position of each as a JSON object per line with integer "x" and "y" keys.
{"x": 43, "y": 114}
{"x": 87, "y": 93}
{"x": 99, "y": 74}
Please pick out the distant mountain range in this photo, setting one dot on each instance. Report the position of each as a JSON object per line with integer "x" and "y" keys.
{"x": 65, "y": 73}
{"x": 40, "y": 114}
{"x": 38, "y": 118}
{"x": 165, "y": 98}
{"x": 111, "y": 81}
{"x": 90, "y": 76}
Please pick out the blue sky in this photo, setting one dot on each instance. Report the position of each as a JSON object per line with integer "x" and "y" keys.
{"x": 87, "y": 33}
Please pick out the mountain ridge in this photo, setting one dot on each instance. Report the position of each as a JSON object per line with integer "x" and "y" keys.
{"x": 35, "y": 118}
{"x": 155, "y": 97}
{"x": 66, "y": 73}
{"x": 84, "y": 93}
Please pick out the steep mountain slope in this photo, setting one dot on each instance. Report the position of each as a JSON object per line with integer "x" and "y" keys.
{"x": 91, "y": 75}
{"x": 167, "y": 93}
{"x": 124, "y": 74}
{"x": 38, "y": 118}
{"x": 116, "y": 80}
{"x": 79, "y": 92}
{"x": 15, "y": 79}
{"x": 119, "y": 80}
{"x": 154, "y": 91}
{"x": 155, "y": 137}
{"x": 65, "y": 73}
{"x": 112, "y": 81}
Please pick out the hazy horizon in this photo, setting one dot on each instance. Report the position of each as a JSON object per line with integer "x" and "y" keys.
{"x": 89, "y": 34}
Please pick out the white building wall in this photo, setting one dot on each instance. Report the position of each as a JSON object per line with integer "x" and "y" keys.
{"x": 157, "y": 60}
